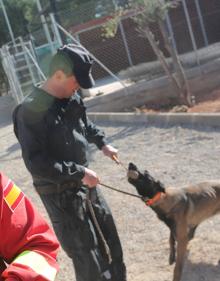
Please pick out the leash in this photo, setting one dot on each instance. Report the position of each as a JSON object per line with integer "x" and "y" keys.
{"x": 117, "y": 161}
{"x": 121, "y": 191}
{"x": 92, "y": 212}
{"x": 91, "y": 209}
{"x": 148, "y": 202}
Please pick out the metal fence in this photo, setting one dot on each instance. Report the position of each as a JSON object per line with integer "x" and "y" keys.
{"x": 193, "y": 27}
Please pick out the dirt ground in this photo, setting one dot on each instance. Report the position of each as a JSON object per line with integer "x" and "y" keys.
{"x": 176, "y": 156}
{"x": 207, "y": 103}
{"x": 204, "y": 103}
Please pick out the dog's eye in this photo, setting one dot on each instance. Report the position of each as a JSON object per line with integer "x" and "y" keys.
{"x": 133, "y": 174}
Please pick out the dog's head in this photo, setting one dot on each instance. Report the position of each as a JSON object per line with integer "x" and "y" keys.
{"x": 146, "y": 185}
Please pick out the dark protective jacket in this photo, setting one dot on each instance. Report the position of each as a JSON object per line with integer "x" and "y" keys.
{"x": 54, "y": 136}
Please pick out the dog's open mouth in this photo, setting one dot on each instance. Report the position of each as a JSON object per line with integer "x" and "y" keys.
{"x": 132, "y": 172}
{"x": 144, "y": 183}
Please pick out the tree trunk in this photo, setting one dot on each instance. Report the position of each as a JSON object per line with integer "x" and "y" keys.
{"x": 149, "y": 35}
{"x": 185, "y": 92}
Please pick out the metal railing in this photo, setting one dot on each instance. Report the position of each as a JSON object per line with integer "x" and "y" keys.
{"x": 20, "y": 65}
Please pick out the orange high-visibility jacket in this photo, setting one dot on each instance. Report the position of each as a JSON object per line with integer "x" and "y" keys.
{"x": 27, "y": 244}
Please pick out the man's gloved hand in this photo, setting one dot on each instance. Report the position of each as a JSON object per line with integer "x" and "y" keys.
{"x": 90, "y": 179}
{"x": 110, "y": 151}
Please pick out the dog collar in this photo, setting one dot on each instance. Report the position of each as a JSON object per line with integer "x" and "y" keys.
{"x": 150, "y": 202}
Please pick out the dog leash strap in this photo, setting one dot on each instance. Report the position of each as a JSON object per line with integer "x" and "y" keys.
{"x": 98, "y": 228}
{"x": 118, "y": 190}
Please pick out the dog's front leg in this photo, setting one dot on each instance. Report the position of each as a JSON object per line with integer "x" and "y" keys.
{"x": 172, "y": 243}
{"x": 182, "y": 241}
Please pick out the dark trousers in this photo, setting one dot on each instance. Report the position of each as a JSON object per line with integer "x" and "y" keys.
{"x": 75, "y": 229}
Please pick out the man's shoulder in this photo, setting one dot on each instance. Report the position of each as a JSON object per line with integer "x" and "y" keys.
{"x": 30, "y": 111}
{"x": 38, "y": 101}
{"x": 36, "y": 104}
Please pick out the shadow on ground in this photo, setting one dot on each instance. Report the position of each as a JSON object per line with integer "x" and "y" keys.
{"x": 5, "y": 120}
{"x": 13, "y": 148}
{"x": 201, "y": 272}
{"x": 7, "y": 105}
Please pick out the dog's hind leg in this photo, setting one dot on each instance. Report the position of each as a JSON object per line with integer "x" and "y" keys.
{"x": 172, "y": 243}
{"x": 191, "y": 232}
{"x": 182, "y": 241}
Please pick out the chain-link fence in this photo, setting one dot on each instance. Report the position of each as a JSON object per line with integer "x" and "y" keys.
{"x": 193, "y": 26}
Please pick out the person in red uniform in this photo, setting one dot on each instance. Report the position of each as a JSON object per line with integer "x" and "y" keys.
{"x": 28, "y": 246}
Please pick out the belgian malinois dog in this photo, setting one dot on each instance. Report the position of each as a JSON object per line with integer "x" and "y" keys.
{"x": 181, "y": 209}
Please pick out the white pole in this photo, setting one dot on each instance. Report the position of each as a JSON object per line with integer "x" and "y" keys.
{"x": 27, "y": 60}
{"x": 35, "y": 63}
{"x": 7, "y": 22}
{"x": 202, "y": 23}
{"x": 192, "y": 37}
{"x": 56, "y": 30}
{"x": 45, "y": 27}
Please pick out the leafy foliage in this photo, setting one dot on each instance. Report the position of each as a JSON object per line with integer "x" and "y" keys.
{"x": 152, "y": 10}
{"x": 18, "y": 12}
{"x": 144, "y": 13}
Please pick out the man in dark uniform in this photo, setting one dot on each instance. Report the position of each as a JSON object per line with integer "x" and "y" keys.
{"x": 54, "y": 132}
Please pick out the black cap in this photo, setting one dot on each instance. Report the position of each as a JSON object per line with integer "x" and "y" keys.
{"x": 81, "y": 64}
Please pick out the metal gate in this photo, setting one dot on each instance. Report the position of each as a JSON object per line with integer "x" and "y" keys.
{"x": 21, "y": 67}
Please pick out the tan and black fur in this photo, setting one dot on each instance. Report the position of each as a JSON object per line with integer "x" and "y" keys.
{"x": 181, "y": 209}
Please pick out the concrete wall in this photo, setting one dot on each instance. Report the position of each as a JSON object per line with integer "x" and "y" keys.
{"x": 159, "y": 119}
{"x": 202, "y": 80}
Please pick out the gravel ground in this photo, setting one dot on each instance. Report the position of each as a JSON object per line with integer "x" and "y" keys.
{"x": 174, "y": 155}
